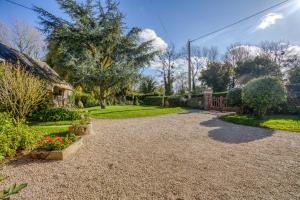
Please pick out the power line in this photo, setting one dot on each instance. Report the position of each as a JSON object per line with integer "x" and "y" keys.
{"x": 161, "y": 23}
{"x": 239, "y": 21}
{"x": 18, "y": 4}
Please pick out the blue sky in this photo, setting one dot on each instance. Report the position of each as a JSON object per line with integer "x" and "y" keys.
{"x": 187, "y": 19}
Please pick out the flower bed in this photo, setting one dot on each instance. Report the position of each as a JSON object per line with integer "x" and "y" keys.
{"x": 57, "y": 148}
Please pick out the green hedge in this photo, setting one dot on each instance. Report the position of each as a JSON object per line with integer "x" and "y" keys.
{"x": 53, "y": 114}
{"x": 152, "y": 101}
{"x": 220, "y": 94}
{"x": 169, "y": 101}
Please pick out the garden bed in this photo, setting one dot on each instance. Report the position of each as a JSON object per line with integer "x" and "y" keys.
{"x": 63, "y": 154}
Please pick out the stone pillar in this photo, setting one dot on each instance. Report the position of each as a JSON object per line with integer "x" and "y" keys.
{"x": 207, "y": 95}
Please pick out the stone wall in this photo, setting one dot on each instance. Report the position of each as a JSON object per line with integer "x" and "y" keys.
{"x": 196, "y": 102}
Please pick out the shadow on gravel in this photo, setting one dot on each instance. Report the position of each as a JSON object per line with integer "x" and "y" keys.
{"x": 25, "y": 160}
{"x": 190, "y": 111}
{"x": 234, "y": 134}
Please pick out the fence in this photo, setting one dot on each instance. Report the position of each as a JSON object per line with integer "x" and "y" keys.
{"x": 219, "y": 104}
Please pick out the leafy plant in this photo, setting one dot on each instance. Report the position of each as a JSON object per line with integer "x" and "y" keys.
{"x": 15, "y": 137}
{"x": 13, "y": 189}
{"x": 57, "y": 143}
{"x": 264, "y": 93}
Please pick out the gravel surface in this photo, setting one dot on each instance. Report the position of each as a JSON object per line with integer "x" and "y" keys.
{"x": 179, "y": 156}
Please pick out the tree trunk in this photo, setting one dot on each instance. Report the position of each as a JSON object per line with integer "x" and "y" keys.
{"x": 102, "y": 99}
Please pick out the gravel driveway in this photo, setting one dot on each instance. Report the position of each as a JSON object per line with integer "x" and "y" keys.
{"x": 189, "y": 155}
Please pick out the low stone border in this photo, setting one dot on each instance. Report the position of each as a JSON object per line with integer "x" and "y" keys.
{"x": 79, "y": 129}
{"x": 59, "y": 154}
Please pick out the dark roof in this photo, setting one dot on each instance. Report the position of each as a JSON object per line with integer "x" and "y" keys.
{"x": 35, "y": 67}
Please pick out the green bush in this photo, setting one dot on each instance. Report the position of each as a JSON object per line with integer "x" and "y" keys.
{"x": 234, "y": 97}
{"x": 153, "y": 101}
{"x": 53, "y": 114}
{"x": 88, "y": 100}
{"x": 15, "y": 137}
{"x": 264, "y": 93}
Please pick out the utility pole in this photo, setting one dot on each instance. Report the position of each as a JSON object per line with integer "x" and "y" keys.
{"x": 190, "y": 69}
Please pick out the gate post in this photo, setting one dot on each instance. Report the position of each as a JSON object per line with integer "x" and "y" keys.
{"x": 207, "y": 96}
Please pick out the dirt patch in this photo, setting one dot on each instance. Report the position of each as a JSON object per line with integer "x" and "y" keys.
{"x": 178, "y": 156}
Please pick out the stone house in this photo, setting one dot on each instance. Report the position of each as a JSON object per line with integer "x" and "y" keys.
{"x": 59, "y": 89}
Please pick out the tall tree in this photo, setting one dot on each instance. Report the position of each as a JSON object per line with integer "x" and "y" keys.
{"x": 93, "y": 44}
{"x": 260, "y": 66}
{"x": 4, "y": 33}
{"x": 217, "y": 76}
{"x": 168, "y": 66}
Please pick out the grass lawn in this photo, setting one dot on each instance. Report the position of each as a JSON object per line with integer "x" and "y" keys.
{"x": 56, "y": 123}
{"x": 279, "y": 122}
{"x": 122, "y": 112}
{"x": 51, "y": 130}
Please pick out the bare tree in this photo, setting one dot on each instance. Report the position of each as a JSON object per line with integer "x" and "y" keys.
{"x": 4, "y": 33}
{"x": 200, "y": 57}
{"x": 275, "y": 50}
{"x": 211, "y": 53}
{"x": 236, "y": 53}
{"x": 27, "y": 39}
{"x": 168, "y": 66}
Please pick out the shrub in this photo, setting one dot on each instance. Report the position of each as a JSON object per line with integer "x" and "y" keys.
{"x": 263, "y": 93}
{"x": 20, "y": 92}
{"x": 88, "y": 100}
{"x": 234, "y": 97}
{"x": 15, "y": 137}
{"x": 53, "y": 114}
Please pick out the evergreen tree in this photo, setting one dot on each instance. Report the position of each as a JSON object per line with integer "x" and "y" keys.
{"x": 93, "y": 45}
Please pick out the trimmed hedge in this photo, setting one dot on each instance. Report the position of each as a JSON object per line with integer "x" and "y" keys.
{"x": 152, "y": 101}
{"x": 169, "y": 101}
{"x": 220, "y": 94}
{"x": 53, "y": 114}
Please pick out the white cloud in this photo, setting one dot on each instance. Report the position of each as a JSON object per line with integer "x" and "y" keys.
{"x": 158, "y": 43}
{"x": 269, "y": 20}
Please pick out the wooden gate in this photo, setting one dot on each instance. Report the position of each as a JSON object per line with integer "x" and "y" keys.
{"x": 216, "y": 103}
